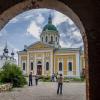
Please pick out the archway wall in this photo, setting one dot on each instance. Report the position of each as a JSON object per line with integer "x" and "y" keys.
{"x": 52, "y": 4}
{"x": 27, "y": 5}
{"x": 85, "y": 11}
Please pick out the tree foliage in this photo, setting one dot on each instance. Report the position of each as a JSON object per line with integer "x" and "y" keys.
{"x": 11, "y": 73}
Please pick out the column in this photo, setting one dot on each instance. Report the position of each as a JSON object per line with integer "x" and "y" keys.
{"x": 78, "y": 65}
{"x": 51, "y": 62}
{"x": 35, "y": 65}
{"x": 27, "y": 67}
{"x": 19, "y": 61}
{"x": 62, "y": 66}
{"x": 54, "y": 63}
{"x": 43, "y": 64}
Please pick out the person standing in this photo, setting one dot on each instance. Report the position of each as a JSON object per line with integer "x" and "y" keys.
{"x": 30, "y": 79}
{"x": 60, "y": 84}
{"x": 52, "y": 77}
{"x": 36, "y": 79}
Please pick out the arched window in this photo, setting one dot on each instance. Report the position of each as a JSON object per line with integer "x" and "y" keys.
{"x": 31, "y": 65}
{"x": 42, "y": 39}
{"x": 24, "y": 66}
{"x": 60, "y": 66}
{"x": 46, "y": 39}
{"x": 70, "y": 66}
{"x": 56, "y": 38}
{"x": 51, "y": 38}
{"x": 47, "y": 66}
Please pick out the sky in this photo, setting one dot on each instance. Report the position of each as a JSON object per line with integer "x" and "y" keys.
{"x": 25, "y": 29}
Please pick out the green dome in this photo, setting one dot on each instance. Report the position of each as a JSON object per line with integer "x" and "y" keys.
{"x": 50, "y": 26}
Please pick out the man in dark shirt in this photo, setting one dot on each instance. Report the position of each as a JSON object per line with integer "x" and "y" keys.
{"x": 30, "y": 79}
{"x": 60, "y": 83}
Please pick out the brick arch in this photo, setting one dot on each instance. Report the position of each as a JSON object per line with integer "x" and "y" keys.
{"x": 28, "y": 4}
{"x": 61, "y": 7}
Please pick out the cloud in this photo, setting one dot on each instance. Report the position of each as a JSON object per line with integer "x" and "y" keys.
{"x": 28, "y": 17}
{"x": 59, "y": 18}
{"x": 0, "y": 34}
{"x": 64, "y": 44}
{"x": 3, "y": 32}
{"x": 34, "y": 30}
{"x": 77, "y": 33}
{"x": 69, "y": 21}
{"x": 1, "y": 49}
{"x": 40, "y": 19}
{"x": 14, "y": 20}
{"x": 70, "y": 35}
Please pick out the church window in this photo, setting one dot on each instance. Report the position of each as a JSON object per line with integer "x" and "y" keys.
{"x": 47, "y": 66}
{"x": 56, "y": 38}
{"x": 24, "y": 66}
{"x": 46, "y": 39}
{"x": 42, "y": 39}
{"x": 70, "y": 66}
{"x": 31, "y": 65}
{"x": 60, "y": 66}
{"x": 51, "y": 38}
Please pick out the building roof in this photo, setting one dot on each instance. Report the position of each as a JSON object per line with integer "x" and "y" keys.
{"x": 36, "y": 43}
{"x": 67, "y": 49}
{"x": 55, "y": 49}
{"x": 39, "y": 42}
{"x": 50, "y": 27}
{"x": 23, "y": 51}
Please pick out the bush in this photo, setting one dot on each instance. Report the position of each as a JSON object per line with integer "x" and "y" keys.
{"x": 45, "y": 78}
{"x": 12, "y": 74}
{"x": 73, "y": 79}
{"x": 77, "y": 79}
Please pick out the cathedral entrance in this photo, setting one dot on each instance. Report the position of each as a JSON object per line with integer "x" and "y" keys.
{"x": 39, "y": 69}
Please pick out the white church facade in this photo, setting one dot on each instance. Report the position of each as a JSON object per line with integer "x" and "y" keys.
{"x": 5, "y": 58}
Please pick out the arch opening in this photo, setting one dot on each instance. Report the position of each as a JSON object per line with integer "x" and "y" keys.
{"x": 63, "y": 8}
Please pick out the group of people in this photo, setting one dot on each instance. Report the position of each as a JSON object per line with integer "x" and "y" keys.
{"x": 58, "y": 77}
{"x": 31, "y": 79}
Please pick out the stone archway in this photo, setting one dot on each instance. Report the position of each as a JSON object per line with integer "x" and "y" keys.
{"x": 61, "y": 7}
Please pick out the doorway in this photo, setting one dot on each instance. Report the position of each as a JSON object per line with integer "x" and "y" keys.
{"x": 39, "y": 69}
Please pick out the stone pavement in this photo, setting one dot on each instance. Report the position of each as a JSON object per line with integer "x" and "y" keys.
{"x": 46, "y": 91}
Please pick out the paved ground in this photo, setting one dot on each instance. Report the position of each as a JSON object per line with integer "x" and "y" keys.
{"x": 46, "y": 91}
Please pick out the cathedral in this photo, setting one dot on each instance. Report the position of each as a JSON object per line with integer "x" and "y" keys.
{"x": 46, "y": 56}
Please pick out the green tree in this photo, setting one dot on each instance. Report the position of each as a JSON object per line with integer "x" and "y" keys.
{"x": 11, "y": 73}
